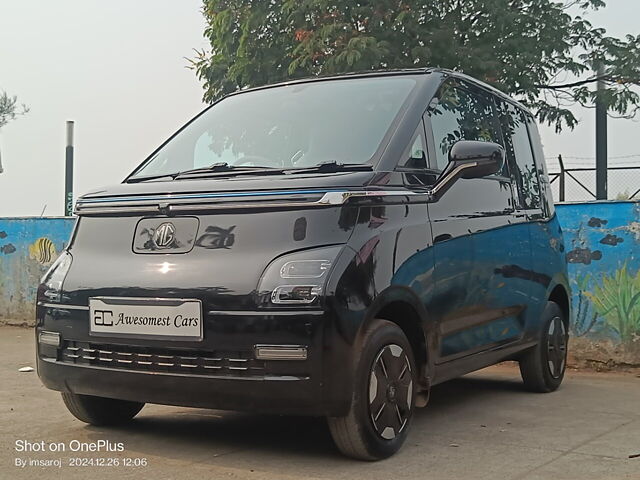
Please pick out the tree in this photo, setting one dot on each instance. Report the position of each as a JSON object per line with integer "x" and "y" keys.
{"x": 9, "y": 110}
{"x": 543, "y": 52}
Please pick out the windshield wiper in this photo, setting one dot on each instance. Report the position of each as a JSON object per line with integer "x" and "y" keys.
{"x": 217, "y": 167}
{"x": 211, "y": 170}
{"x": 146, "y": 178}
{"x": 222, "y": 169}
{"x": 332, "y": 166}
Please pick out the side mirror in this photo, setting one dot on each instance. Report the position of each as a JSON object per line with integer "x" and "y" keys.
{"x": 469, "y": 159}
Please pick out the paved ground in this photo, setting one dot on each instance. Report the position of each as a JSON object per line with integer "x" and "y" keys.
{"x": 483, "y": 426}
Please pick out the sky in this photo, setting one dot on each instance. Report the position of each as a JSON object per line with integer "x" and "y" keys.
{"x": 119, "y": 70}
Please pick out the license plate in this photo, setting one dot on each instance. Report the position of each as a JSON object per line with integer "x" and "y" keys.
{"x": 162, "y": 318}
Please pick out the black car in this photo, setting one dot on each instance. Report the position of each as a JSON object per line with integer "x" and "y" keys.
{"x": 329, "y": 246}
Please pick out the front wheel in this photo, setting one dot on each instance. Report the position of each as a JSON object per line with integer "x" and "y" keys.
{"x": 99, "y": 410}
{"x": 542, "y": 368}
{"x": 383, "y": 397}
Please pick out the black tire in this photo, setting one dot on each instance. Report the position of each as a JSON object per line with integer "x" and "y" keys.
{"x": 99, "y": 410}
{"x": 383, "y": 397}
{"x": 542, "y": 368}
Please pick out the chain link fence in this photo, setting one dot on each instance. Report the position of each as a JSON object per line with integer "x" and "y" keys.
{"x": 578, "y": 183}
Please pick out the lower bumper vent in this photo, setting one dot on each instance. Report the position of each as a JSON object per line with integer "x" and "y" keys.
{"x": 167, "y": 360}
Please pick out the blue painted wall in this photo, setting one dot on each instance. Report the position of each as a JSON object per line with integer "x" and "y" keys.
{"x": 602, "y": 241}
{"x": 28, "y": 246}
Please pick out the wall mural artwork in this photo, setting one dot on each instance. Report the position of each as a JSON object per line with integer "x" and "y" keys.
{"x": 603, "y": 243}
{"x": 43, "y": 250}
{"x": 617, "y": 300}
{"x": 28, "y": 246}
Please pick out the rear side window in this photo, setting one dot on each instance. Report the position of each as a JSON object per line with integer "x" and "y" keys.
{"x": 520, "y": 158}
{"x": 459, "y": 112}
{"x": 543, "y": 176}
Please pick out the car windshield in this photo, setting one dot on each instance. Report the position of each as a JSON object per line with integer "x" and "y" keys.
{"x": 291, "y": 126}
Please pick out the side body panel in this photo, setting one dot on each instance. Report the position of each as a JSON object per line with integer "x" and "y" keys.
{"x": 392, "y": 262}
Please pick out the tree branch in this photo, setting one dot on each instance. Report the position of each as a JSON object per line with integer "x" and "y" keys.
{"x": 606, "y": 78}
{"x": 574, "y": 84}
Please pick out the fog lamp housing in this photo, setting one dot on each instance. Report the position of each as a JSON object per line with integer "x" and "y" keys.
{"x": 280, "y": 352}
{"x": 49, "y": 338}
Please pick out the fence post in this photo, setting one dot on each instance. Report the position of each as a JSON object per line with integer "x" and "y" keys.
{"x": 561, "y": 187}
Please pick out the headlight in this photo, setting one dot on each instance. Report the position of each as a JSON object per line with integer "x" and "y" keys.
{"x": 298, "y": 278}
{"x": 50, "y": 288}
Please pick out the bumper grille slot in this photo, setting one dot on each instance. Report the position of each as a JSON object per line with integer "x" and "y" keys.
{"x": 149, "y": 359}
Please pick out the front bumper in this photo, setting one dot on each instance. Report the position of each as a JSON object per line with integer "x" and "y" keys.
{"x": 221, "y": 371}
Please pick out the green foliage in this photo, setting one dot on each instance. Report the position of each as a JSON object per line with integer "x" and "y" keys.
{"x": 9, "y": 109}
{"x": 523, "y": 47}
{"x": 617, "y": 300}
{"x": 584, "y": 319}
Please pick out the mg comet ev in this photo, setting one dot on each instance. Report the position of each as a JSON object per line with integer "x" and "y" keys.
{"x": 330, "y": 246}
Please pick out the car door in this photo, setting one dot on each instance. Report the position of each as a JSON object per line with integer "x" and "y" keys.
{"x": 472, "y": 301}
{"x": 532, "y": 209}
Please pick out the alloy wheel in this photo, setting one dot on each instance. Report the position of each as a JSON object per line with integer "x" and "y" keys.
{"x": 390, "y": 391}
{"x": 556, "y": 347}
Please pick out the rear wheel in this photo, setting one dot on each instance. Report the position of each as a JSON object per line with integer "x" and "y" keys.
{"x": 383, "y": 396}
{"x": 543, "y": 366}
{"x": 100, "y": 410}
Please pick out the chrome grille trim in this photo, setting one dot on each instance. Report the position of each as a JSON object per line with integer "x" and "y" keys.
{"x": 62, "y": 306}
{"x": 232, "y": 200}
{"x": 148, "y": 359}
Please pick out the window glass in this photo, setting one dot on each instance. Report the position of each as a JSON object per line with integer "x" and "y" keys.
{"x": 291, "y": 126}
{"x": 416, "y": 154}
{"x": 520, "y": 156}
{"x": 458, "y": 113}
{"x": 538, "y": 153}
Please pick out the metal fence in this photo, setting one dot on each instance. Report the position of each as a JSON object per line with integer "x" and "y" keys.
{"x": 578, "y": 183}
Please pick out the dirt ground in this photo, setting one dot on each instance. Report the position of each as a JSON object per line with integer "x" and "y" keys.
{"x": 482, "y": 426}
{"x": 603, "y": 356}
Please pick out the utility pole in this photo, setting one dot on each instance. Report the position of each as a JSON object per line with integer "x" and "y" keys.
{"x": 601, "y": 137}
{"x": 68, "y": 174}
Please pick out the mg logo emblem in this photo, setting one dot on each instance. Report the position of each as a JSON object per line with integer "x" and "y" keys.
{"x": 164, "y": 235}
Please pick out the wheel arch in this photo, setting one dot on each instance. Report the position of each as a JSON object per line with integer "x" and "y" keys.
{"x": 400, "y": 305}
{"x": 560, "y": 294}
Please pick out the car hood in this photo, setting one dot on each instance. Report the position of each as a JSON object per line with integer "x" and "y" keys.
{"x": 219, "y": 253}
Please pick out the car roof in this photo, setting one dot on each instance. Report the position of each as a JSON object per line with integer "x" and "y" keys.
{"x": 390, "y": 72}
